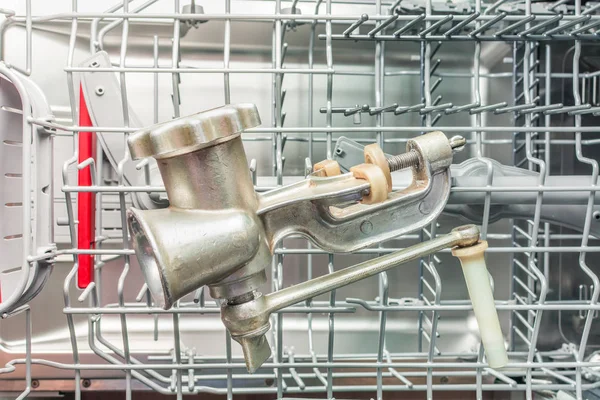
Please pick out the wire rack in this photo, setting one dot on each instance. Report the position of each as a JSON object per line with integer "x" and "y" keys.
{"x": 530, "y": 127}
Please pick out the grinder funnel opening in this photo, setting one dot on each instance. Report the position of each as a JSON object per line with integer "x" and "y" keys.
{"x": 148, "y": 258}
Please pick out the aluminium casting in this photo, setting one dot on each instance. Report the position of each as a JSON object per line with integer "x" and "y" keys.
{"x": 217, "y": 231}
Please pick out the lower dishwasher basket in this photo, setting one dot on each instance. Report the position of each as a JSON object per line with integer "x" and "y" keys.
{"x": 518, "y": 79}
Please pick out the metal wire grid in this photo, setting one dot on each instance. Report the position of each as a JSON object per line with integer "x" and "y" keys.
{"x": 184, "y": 372}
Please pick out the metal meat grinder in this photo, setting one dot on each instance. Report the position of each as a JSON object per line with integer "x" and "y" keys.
{"x": 219, "y": 232}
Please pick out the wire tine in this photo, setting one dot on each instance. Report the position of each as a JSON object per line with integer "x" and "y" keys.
{"x": 308, "y": 167}
{"x": 435, "y": 26}
{"x": 284, "y": 50}
{"x": 524, "y": 322}
{"x": 592, "y": 110}
{"x": 591, "y": 10}
{"x": 435, "y": 67}
{"x": 568, "y": 109}
{"x": 557, "y": 4}
{"x": 441, "y": 107}
{"x": 428, "y": 286}
{"x": 436, "y": 119}
{"x": 542, "y": 108}
{"x": 501, "y": 376}
{"x": 514, "y": 26}
{"x": 434, "y": 52}
{"x": 409, "y": 25}
{"x": 488, "y": 24}
{"x": 141, "y": 164}
{"x": 199, "y": 296}
{"x": 524, "y": 287}
{"x": 379, "y": 110}
{"x": 541, "y": 25}
{"x": 514, "y": 108}
{"x": 334, "y": 110}
{"x": 393, "y": 6}
{"x": 435, "y": 85}
{"x": 191, "y": 375}
{"x": 559, "y": 377}
{"x": 585, "y": 28}
{"x": 457, "y": 109}
{"x": 354, "y": 110}
{"x": 400, "y": 377}
{"x": 534, "y": 66}
{"x": 283, "y": 93}
{"x": 519, "y": 97}
{"x": 567, "y": 25}
{"x": 525, "y": 269}
{"x": 253, "y": 170}
{"x": 462, "y": 24}
{"x": 405, "y": 109}
{"x": 141, "y": 293}
{"x": 489, "y": 107}
{"x": 524, "y": 303}
{"x": 293, "y": 371}
{"x": 534, "y": 84}
{"x": 383, "y": 25}
{"x": 86, "y": 292}
{"x": 363, "y": 18}
{"x": 592, "y": 372}
{"x": 522, "y": 335}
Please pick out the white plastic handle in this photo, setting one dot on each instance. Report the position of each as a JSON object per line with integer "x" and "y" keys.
{"x": 480, "y": 291}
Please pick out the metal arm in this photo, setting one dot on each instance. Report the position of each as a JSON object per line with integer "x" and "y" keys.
{"x": 249, "y": 321}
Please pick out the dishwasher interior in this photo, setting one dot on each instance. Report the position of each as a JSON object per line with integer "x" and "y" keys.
{"x": 517, "y": 79}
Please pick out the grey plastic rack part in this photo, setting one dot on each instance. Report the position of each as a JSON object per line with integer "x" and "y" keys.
{"x": 25, "y": 199}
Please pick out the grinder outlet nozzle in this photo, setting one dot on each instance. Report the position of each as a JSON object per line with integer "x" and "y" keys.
{"x": 256, "y": 351}
{"x": 480, "y": 291}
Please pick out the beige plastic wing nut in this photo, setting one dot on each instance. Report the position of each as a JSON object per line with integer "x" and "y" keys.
{"x": 371, "y": 173}
{"x": 327, "y": 168}
{"x": 374, "y": 155}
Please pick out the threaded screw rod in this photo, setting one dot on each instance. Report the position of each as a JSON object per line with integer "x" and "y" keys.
{"x": 411, "y": 158}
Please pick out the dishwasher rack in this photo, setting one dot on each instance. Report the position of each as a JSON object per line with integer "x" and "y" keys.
{"x": 518, "y": 79}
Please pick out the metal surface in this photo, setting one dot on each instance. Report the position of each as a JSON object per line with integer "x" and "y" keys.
{"x": 218, "y": 232}
{"x": 524, "y": 98}
{"x": 211, "y": 233}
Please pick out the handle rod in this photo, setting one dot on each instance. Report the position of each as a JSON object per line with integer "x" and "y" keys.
{"x": 463, "y": 236}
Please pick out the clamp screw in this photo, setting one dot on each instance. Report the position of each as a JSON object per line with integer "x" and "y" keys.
{"x": 404, "y": 160}
{"x": 411, "y": 158}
